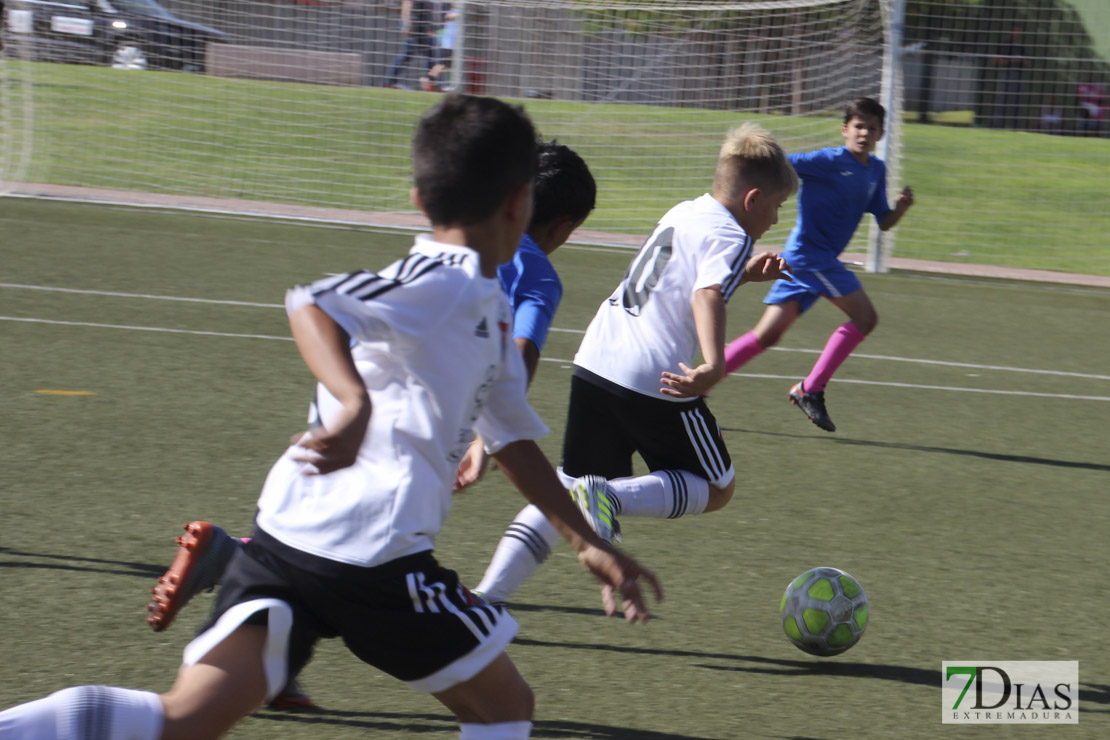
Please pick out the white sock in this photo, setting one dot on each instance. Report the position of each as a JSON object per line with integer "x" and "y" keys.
{"x": 664, "y": 494}
{"x": 498, "y": 731}
{"x": 35, "y": 720}
{"x": 565, "y": 479}
{"x": 103, "y": 712}
{"x": 522, "y": 549}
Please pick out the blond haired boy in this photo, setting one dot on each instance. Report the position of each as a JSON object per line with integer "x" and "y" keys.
{"x": 636, "y": 387}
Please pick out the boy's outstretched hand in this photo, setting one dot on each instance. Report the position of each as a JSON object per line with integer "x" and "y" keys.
{"x": 618, "y": 572}
{"x": 472, "y": 467}
{"x": 765, "y": 266}
{"x": 691, "y": 382}
{"x": 904, "y": 200}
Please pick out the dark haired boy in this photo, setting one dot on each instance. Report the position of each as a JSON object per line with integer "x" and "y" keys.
{"x": 839, "y": 185}
{"x": 349, "y": 513}
{"x": 564, "y": 193}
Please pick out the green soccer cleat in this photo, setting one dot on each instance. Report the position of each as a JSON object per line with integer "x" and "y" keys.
{"x": 813, "y": 405}
{"x": 591, "y": 493}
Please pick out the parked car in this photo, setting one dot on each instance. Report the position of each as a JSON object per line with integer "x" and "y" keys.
{"x": 126, "y": 34}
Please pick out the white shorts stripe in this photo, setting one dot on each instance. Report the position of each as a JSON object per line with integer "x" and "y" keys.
{"x": 702, "y": 441}
{"x": 832, "y": 291}
{"x": 423, "y": 597}
{"x": 274, "y": 652}
{"x": 433, "y": 599}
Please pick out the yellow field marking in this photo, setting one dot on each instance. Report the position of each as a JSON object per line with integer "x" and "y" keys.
{"x": 64, "y": 393}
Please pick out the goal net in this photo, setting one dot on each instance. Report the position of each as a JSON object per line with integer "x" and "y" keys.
{"x": 1007, "y": 114}
{"x": 284, "y": 103}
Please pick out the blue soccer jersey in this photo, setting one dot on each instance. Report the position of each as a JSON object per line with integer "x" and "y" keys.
{"x": 836, "y": 190}
{"x": 534, "y": 291}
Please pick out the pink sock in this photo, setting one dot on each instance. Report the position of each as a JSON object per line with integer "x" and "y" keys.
{"x": 740, "y": 351}
{"x": 845, "y": 339}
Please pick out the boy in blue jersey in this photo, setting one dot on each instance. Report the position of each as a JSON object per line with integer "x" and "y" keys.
{"x": 564, "y": 195}
{"x": 839, "y": 185}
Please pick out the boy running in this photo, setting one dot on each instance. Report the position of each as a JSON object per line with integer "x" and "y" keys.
{"x": 348, "y": 515}
{"x": 839, "y": 185}
{"x": 635, "y": 388}
{"x": 564, "y": 193}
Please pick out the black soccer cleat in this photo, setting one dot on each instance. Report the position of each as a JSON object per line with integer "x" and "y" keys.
{"x": 813, "y": 405}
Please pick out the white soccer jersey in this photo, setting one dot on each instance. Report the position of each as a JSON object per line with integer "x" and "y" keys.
{"x": 647, "y": 325}
{"x": 434, "y": 349}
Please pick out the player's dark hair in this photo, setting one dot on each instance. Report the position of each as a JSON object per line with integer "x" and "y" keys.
{"x": 865, "y": 107}
{"x": 468, "y": 155}
{"x": 565, "y": 188}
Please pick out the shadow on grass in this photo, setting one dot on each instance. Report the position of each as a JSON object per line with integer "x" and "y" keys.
{"x": 584, "y": 611}
{"x": 760, "y": 664}
{"x": 1091, "y": 693}
{"x": 1101, "y": 467}
{"x": 1097, "y": 693}
{"x": 80, "y": 564}
{"x": 424, "y": 723}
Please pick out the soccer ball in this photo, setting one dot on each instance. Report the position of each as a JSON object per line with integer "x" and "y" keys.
{"x": 824, "y": 611}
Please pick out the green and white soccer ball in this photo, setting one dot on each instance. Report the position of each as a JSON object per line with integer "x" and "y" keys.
{"x": 824, "y": 611}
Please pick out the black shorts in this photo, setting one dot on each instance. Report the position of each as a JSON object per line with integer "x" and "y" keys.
{"x": 607, "y": 423}
{"x": 409, "y": 618}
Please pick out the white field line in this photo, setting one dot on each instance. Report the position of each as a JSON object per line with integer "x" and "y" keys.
{"x": 862, "y": 356}
{"x": 113, "y": 294}
{"x": 162, "y": 330}
{"x": 249, "y": 304}
{"x": 560, "y": 361}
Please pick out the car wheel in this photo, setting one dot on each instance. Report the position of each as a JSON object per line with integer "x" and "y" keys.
{"x": 129, "y": 55}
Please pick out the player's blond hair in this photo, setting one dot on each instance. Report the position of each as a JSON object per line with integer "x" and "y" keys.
{"x": 751, "y": 158}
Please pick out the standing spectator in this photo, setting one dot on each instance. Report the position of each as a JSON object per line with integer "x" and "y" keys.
{"x": 1011, "y": 61}
{"x": 445, "y": 48}
{"x": 1093, "y": 109}
{"x": 1052, "y": 116}
{"x": 418, "y": 32}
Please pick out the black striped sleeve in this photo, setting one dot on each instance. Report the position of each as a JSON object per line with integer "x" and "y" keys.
{"x": 736, "y": 273}
{"x": 365, "y": 285}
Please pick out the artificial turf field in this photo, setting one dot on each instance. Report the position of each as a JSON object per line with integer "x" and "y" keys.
{"x": 966, "y": 488}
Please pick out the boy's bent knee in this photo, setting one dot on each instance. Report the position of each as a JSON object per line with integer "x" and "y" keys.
{"x": 768, "y": 338}
{"x": 719, "y": 497}
{"x": 497, "y": 694}
{"x": 866, "y": 324}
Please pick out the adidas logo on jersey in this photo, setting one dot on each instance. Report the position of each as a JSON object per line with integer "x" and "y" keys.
{"x": 482, "y": 330}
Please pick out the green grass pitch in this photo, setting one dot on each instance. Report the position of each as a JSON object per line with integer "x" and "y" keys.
{"x": 966, "y": 492}
{"x": 1003, "y": 198}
